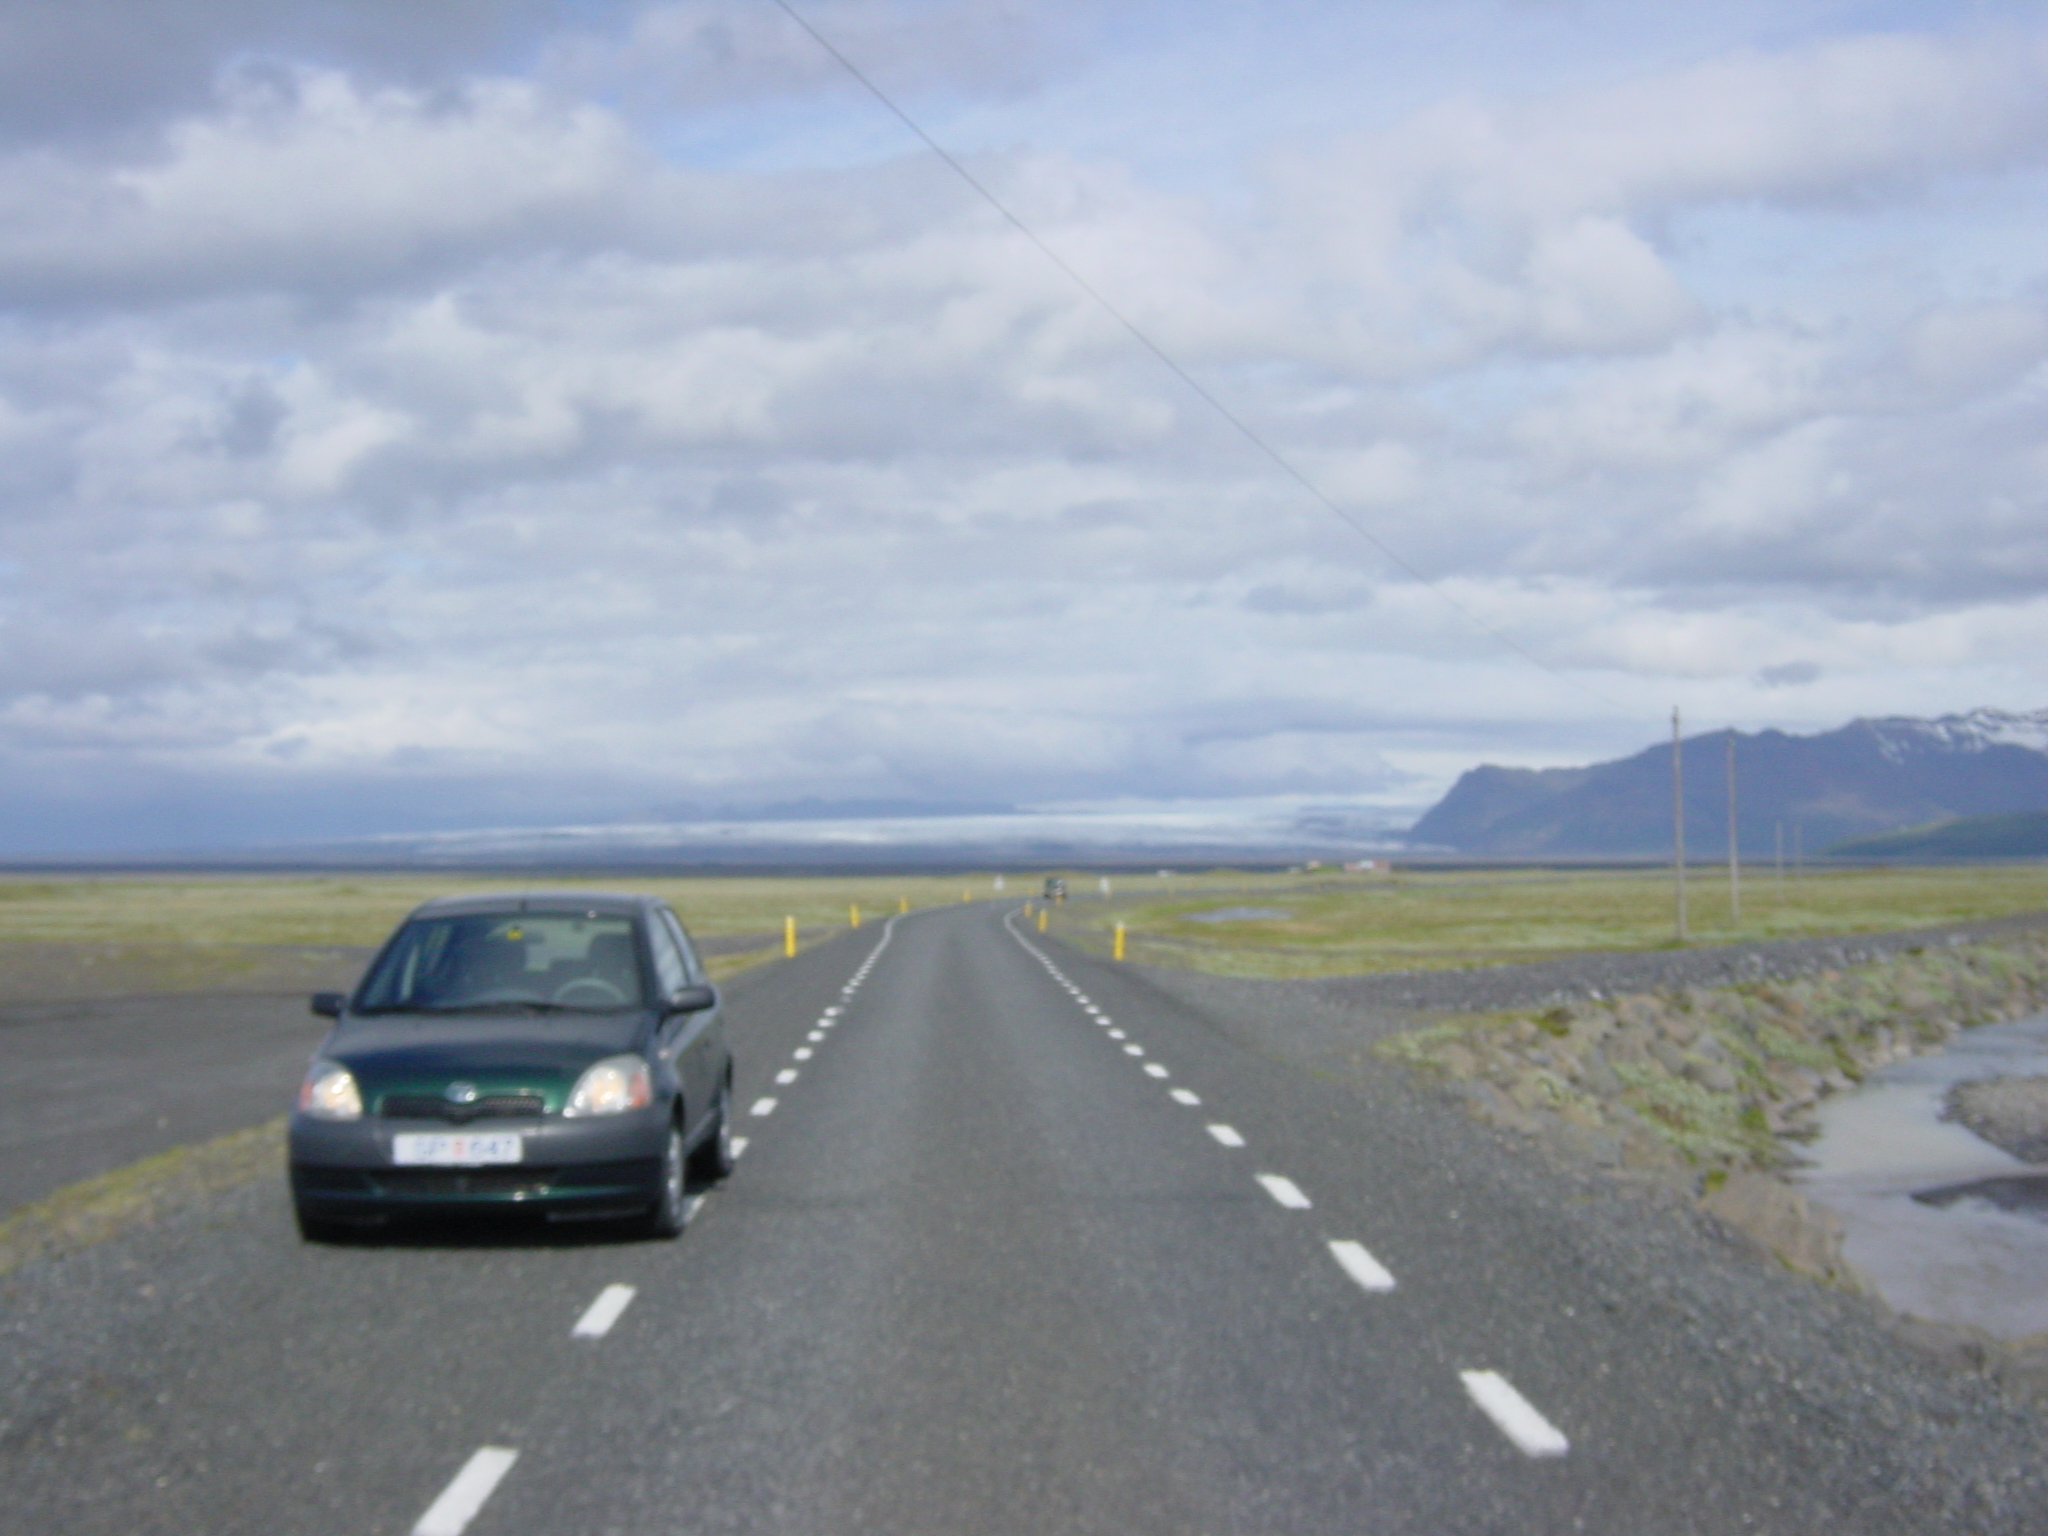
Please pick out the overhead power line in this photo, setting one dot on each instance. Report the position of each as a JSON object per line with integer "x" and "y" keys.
{"x": 1173, "y": 366}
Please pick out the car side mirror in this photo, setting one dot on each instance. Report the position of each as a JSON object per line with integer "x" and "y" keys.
{"x": 692, "y": 999}
{"x": 328, "y": 1004}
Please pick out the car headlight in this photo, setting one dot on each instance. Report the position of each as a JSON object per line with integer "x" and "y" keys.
{"x": 329, "y": 1093}
{"x": 611, "y": 1087}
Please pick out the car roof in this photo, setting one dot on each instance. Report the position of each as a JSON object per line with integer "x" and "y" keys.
{"x": 608, "y": 903}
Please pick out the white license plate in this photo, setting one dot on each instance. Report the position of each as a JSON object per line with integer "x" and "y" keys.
{"x": 456, "y": 1149}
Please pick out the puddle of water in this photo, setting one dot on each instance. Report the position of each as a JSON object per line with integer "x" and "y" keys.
{"x": 1944, "y": 1224}
{"x": 1890, "y": 1129}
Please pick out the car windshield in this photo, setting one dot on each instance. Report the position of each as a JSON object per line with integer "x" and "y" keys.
{"x": 528, "y": 961}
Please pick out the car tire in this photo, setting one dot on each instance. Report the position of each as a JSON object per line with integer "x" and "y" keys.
{"x": 671, "y": 1204}
{"x": 713, "y": 1158}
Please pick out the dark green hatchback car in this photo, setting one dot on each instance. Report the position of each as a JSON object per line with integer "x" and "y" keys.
{"x": 559, "y": 1055}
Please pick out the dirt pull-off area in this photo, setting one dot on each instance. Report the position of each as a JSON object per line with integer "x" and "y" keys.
{"x": 41, "y": 972}
{"x": 2009, "y": 1112}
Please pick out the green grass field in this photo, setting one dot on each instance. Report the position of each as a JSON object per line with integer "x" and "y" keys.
{"x": 1412, "y": 920}
{"x": 138, "y": 933}
{"x": 279, "y": 932}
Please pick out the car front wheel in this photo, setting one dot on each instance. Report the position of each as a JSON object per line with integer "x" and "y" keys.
{"x": 713, "y": 1158}
{"x": 666, "y": 1219}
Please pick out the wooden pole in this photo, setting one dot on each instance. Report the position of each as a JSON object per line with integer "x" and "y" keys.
{"x": 1678, "y": 820}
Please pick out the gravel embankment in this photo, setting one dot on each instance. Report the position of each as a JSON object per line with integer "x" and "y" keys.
{"x": 1486, "y": 989}
{"x": 2008, "y": 1112}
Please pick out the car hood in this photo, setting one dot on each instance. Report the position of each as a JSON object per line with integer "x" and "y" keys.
{"x": 498, "y": 1052}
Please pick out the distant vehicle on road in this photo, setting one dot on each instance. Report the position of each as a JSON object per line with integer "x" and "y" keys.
{"x": 1055, "y": 888}
{"x": 558, "y": 1055}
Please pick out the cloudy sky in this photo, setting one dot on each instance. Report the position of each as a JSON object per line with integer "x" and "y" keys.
{"x": 506, "y": 412}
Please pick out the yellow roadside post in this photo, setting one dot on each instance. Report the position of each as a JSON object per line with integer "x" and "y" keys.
{"x": 1119, "y": 948}
{"x": 853, "y": 915}
{"x": 902, "y": 903}
{"x": 965, "y": 897}
{"x": 1041, "y": 919}
{"x": 789, "y": 938}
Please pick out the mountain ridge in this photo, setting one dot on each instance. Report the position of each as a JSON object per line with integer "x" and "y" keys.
{"x": 1868, "y": 777}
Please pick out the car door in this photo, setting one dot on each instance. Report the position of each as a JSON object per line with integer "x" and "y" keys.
{"x": 673, "y": 1038}
{"x": 708, "y": 1049}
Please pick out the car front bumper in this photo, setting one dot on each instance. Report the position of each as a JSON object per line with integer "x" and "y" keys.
{"x": 344, "y": 1170}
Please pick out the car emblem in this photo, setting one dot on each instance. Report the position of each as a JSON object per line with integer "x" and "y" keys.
{"x": 461, "y": 1093}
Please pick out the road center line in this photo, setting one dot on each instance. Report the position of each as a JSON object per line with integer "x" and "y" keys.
{"x": 1361, "y": 1266}
{"x": 461, "y": 1499}
{"x": 1116, "y": 1034}
{"x": 739, "y": 1145}
{"x": 816, "y": 1036}
{"x": 603, "y": 1312}
{"x": 1532, "y": 1434}
{"x": 763, "y": 1107}
{"x": 1285, "y": 1191}
{"x": 801, "y": 1053}
{"x": 1226, "y": 1135}
{"x": 1185, "y": 1096}
{"x": 1134, "y": 1050}
{"x": 786, "y": 1076}
{"x": 1153, "y": 1069}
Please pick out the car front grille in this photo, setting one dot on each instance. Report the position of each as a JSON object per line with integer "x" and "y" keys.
{"x": 432, "y": 1183}
{"x": 431, "y": 1106}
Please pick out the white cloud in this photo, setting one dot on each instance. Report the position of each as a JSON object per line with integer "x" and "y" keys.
{"x": 388, "y": 431}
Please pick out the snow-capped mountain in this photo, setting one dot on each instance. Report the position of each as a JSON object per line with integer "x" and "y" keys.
{"x": 1974, "y": 732}
{"x": 1801, "y": 792}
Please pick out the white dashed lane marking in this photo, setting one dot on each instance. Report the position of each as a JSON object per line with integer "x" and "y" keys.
{"x": 1284, "y": 1190}
{"x": 597, "y": 1321}
{"x": 815, "y": 1036}
{"x": 763, "y": 1107}
{"x": 801, "y": 1053}
{"x": 1360, "y": 1265}
{"x": 786, "y": 1076}
{"x": 1532, "y": 1434}
{"x": 739, "y": 1145}
{"x": 450, "y": 1514}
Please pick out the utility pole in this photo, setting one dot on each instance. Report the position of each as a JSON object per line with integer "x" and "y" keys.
{"x": 1678, "y": 819}
{"x": 1734, "y": 859}
{"x": 1781, "y": 855}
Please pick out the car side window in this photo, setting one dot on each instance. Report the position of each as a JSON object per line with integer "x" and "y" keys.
{"x": 670, "y": 973}
{"x": 689, "y": 950}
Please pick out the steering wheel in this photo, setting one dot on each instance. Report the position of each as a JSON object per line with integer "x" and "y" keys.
{"x": 594, "y": 989}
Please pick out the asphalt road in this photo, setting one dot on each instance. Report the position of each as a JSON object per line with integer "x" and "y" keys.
{"x": 1018, "y": 1243}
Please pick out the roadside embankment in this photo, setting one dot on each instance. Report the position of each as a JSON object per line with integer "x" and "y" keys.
{"x": 1715, "y": 1087}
